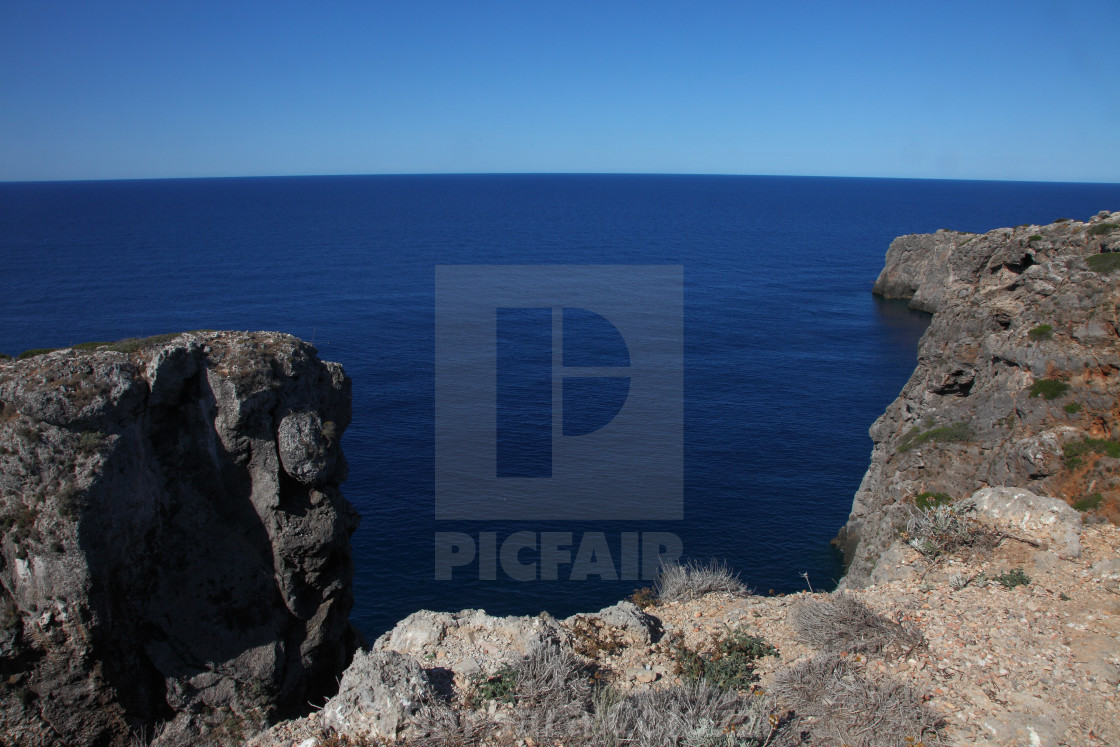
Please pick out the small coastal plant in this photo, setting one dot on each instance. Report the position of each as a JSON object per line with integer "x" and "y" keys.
{"x": 1072, "y": 408}
{"x": 1049, "y": 388}
{"x": 1035, "y": 237}
{"x": 1104, "y": 263}
{"x": 927, "y": 500}
{"x": 499, "y": 686}
{"x": 1091, "y": 503}
{"x": 1102, "y": 228}
{"x": 34, "y": 353}
{"x": 954, "y": 433}
{"x": 1041, "y": 332}
{"x": 1074, "y": 453}
{"x": 729, "y": 664}
{"x": 840, "y": 622}
{"x": 1011, "y": 579}
{"x": 691, "y": 580}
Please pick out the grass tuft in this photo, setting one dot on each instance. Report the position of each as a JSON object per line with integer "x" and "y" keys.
{"x": 691, "y": 580}
{"x": 955, "y": 433}
{"x": 927, "y": 500}
{"x": 1041, "y": 332}
{"x": 1102, "y": 228}
{"x": 1072, "y": 408}
{"x": 35, "y": 352}
{"x": 1092, "y": 503}
{"x": 1049, "y": 388}
{"x": 1074, "y": 452}
{"x": 844, "y": 705}
{"x": 840, "y": 622}
{"x": 1104, "y": 263}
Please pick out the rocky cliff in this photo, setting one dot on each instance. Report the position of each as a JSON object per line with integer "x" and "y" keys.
{"x": 1017, "y": 380}
{"x": 175, "y": 558}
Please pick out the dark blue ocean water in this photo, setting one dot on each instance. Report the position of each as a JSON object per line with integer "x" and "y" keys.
{"x": 788, "y": 358}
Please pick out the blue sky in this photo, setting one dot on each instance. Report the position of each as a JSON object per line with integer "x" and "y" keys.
{"x": 989, "y": 90}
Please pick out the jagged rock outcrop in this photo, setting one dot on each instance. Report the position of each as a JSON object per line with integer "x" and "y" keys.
{"x": 1017, "y": 380}
{"x": 175, "y": 556}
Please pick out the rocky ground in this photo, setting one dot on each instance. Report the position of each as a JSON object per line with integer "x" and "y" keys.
{"x": 1036, "y": 663}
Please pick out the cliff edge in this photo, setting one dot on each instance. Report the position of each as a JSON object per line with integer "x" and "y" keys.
{"x": 1017, "y": 381}
{"x": 175, "y": 556}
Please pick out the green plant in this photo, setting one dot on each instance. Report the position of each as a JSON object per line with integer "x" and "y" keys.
{"x": 502, "y": 685}
{"x": 1091, "y": 503}
{"x": 1013, "y": 578}
{"x": 1072, "y": 408}
{"x": 1107, "y": 262}
{"x": 1041, "y": 332}
{"x": 90, "y": 441}
{"x": 5, "y": 357}
{"x": 1062, "y": 220}
{"x": 955, "y": 433}
{"x": 925, "y": 501}
{"x": 1035, "y": 237}
{"x": 1102, "y": 228}
{"x": 69, "y": 500}
{"x": 730, "y": 665}
{"x": 34, "y": 352}
{"x": 1049, "y": 388}
{"x": 1073, "y": 452}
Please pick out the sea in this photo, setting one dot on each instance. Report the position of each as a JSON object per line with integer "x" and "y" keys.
{"x": 785, "y": 358}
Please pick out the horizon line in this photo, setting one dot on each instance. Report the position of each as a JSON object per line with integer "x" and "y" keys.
{"x": 541, "y": 173}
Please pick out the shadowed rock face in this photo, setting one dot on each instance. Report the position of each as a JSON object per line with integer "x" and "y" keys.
{"x": 176, "y": 551}
{"x": 1011, "y": 308}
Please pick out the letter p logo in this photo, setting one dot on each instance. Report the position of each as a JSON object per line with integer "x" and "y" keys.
{"x": 559, "y": 392}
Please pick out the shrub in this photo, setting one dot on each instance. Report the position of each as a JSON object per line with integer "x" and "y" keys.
{"x": 691, "y": 580}
{"x": 925, "y": 501}
{"x": 955, "y": 433}
{"x": 1062, "y": 220}
{"x": 1104, "y": 263}
{"x": 1072, "y": 408}
{"x": 1013, "y": 578}
{"x": 842, "y": 704}
{"x": 90, "y": 441}
{"x": 840, "y": 622}
{"x": 69, "y": 500}
{"x": 1049, "y": 388}
{"x": 35, "y": 352}
{"x": 729, "y": 665}
{"x": 943, "y": 530}
{"x": 1073, "y": 452}
{"x": 1035, "y": 237}
{"x": 692, "y": 715}
{"x": 1091, "y": 503}
{"x": 644, "y": 598}
{"x": 1102, "y": 228}
{"x": 5, "y": 357}
{"x": 1041, "y": 332}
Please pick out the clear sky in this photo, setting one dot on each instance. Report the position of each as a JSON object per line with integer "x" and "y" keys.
{"x": 974, "y": 90}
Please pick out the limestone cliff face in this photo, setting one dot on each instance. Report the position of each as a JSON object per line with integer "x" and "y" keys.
{"x": 1019, "y": 367}
{"x": 175, "y": 554}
